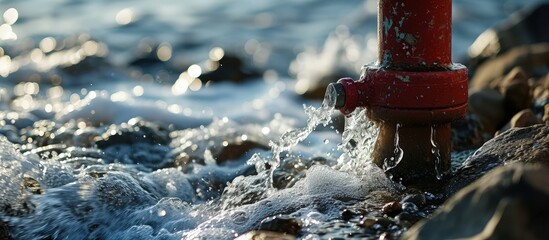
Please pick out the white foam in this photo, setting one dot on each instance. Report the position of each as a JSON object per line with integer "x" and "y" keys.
{"x": 317, "y": 197}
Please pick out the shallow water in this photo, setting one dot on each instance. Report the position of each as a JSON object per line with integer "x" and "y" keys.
{"x": 117, "y": 121}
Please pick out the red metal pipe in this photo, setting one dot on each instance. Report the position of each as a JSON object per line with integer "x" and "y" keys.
{"x": 413, "y": 91}
{"x": 415, "y": 33}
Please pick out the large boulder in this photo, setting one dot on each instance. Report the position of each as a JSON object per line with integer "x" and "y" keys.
{"x": 525, "y": 145}
{"x": 508, "y": 203}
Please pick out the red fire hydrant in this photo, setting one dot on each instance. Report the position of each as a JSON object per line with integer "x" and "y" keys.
{"x": 413, "y": 91}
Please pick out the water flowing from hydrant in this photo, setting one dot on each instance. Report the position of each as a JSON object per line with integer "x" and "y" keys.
{"x": 436, "y": 152}
{"x": 357, "y": 142}
{"x": 288, "y": 140}
{"x": 356, "y": 145}
{"x": 399, "y": 153}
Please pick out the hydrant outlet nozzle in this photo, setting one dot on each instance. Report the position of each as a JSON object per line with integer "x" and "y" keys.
{"x": 346, "y": 95}
{"x": 335, "y": 95}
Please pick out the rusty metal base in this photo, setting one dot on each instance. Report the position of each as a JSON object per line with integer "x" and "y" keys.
{"x": 424, "y": 151}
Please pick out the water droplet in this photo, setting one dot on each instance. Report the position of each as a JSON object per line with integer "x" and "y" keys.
{"x": 398, "y": 152}
{"x": 161, "y": 212}
{"x": 326, "y": 141}
{"x": 436, "y": 152}
{"x": 239, "y": 217}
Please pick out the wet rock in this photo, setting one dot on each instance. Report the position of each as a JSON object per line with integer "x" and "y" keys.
{"x": 539, "y": 93}
{"x": 417, "y": 199}
{"x": 508, "y": 203}
{"x": 529, "y": 57}
{"x": 368, "y": 222}
{"x": 522, "y": 28}
{"x": 524, "y": 118}
{"x": 489, "y": 106}
{"x": 264, "y": 235}
{"x": 229, "y": 67}
{"x": 381, "y": 197}
{"x": 407, "y": 219}
{"x": 32, "y": 186}
{"x": 235, "y": 150}
{"x": 90, "y": 64}
{"x": 516, "y": 91}
{"x": 409, "y": 207}
{"x": 385, "y": 236}
{"x": 281, "y": 224}
{"x": 136, "y": 130}
{"x": 5, "y": 231}
{"x": 377, "y": 223}
{"x": 146, "y": 54}
{"x": 434, "y": 198}
{"x": 518, "y": 145}
{"x": 347, "y": 214}
{"x": 392, "y": 208}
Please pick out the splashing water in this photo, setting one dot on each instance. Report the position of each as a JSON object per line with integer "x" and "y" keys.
{"x": 288, "y": 140}
{"x": 315, "y": 117}
{"x": 357, "y": 144}
{"x": 436, "y": 152}
{"x": 398, "y": 153}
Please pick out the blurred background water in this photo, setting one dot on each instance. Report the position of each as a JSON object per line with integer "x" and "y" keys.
{"x": 215, "y": 73}
{"x": 272, "y": 32}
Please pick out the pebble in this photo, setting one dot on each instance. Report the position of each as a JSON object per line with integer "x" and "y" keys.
{"x": 347, "y": 214}
{"x": 407, "y": 219}
{"x": 409, "y": 207}
{"x": 516, "y": 96}
{"x": 417, "y": 199}
{"x": 488, "y": 104}
{"x": 231, "y": 68}
{"x": 135, "y": 130}
{"x": 524, "y": 118}
{"x": 392, "y": 208}
{"x": 377, "y": 223}
{"x": 281, "y": 224}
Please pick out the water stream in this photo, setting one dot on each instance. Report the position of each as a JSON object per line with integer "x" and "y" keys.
{"x": 436, "y": 152}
